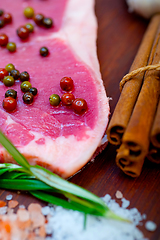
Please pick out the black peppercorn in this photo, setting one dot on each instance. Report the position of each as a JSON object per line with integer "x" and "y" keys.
{"x": 28, "y": 97}
{"x": 33, "y": 91}
{"x": 47, "y": 22}
{"x": 44, "y": 51}
{"x": 15, "y": 74}
{"x": 24, "y": 76}
{"x": 11, "y": 93}
{"x": 1, "y": 12}
{"x": 1, "y": 23}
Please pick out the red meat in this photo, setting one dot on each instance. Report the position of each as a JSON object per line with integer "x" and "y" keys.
{"x": 55, "y": 137}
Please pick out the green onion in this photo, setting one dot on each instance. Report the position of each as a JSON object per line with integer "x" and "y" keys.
{"x": 42, "y": 183}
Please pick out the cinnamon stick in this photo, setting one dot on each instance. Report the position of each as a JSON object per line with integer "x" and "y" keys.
{"x": 154, "y": 152}
{"x": 136, "y": 139}
{"x": 131, "y": 89}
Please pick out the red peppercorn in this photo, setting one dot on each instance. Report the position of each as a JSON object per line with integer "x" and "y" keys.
{"x": 7, "y": 18}
{"x": 9, "y": 104}
{"x": 3, "y": 39}
{"x": 67, "y": 98}
{"x": 79, "y": 105}
{"x": 38, "y": 18}
{"x": 66, "y": 84}
{"x": 23, "y": 32}
{"x": 3, "y": 73}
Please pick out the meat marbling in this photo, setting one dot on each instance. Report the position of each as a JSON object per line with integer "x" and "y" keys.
{"x": 55, "y": 137}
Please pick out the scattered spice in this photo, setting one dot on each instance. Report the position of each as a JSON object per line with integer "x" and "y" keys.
{"x": 1, "y": 12}
{"x": 38, "y": 18}
{"x": 54, "y": 99}
{"x": 7, "y": 17}
{"x": 30, "y": 27}
{"x": 8, "y": 81}
{"x": 47, "y": 22}
{"x": 33, "y": 91}
{"x": 3, "y": 73}
{"x": 3, "y": 39}
{"x": 29, "y": 12}
{"x": 9, "y": 67}
{"x": 23, "y": 32}
{"x": 1, "y": 23}
{"x": 79, "y": 105}
{"x": 44, "y": 51}
{"x": 28, "y": 97}
{"x": 15, "y": 74}
{"x": 24, "y": 76}
{"x": 11, "y": 46}
{"x": 11, "y": 93}
{"x": 66, "y": 84}
{"x": 67, "y": 98}
{"x": 9, "y": 104}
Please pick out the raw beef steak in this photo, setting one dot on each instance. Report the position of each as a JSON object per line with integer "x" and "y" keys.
{"x": 55, "y": 137}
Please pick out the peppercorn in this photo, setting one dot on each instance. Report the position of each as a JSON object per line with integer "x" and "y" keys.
{"x": 3, "y": 39}
{"x": 15, "y": 74}
{"x": 9, "y": 103}
{"x": 28, "y": 12}
{"x": 44, "y": 52}
{"x": 11, "y": 46}
{"x": 79, "y": 105}
{"x": 47, "y": 22}
{"x": 11, "y": 93}
{"x": 24, "y": 76}
{"x": 67, "y": 98}
{"x": 1, "y": 23}
{"x": 30, "y": 27}
{"x": 54, "y": 100}
{"x": 33, "y": 91}
{"x": 1, "y": 12}
{"x": 3, "y": 73}
{"x": 23, "y": 32}
{"x": 66, "y": 84}
{"x": 38, "y": 18}
{"x": 7, "y": 18}
{"x": 8, "y": 81}
{"x": 26, "y": 86}
{"x": 9, "y": 67}
{"x": 28, "y": 97}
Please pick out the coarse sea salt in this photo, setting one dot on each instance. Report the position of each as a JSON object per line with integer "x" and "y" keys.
{"x": 150, "y": 226}
{"x": 69, "y": 225}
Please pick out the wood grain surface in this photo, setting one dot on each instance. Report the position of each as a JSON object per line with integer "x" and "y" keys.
{"x": 119, "y": 36}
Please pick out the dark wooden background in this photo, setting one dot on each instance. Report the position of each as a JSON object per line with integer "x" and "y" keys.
{"x": 119, "y": 36}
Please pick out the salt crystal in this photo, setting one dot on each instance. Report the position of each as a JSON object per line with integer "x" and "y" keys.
{"x": 119, "y": 194}
{"x": 150, "y": 226}
{"x": 125, "y": 203}
{"x": 3, "y": 210}
{"x": 12, "y": 203}
{"x": 23, "y": 215}
{"x": 9, "y": 197}
{"x": 45, "y": 210}
{"x": 21, "y": 206}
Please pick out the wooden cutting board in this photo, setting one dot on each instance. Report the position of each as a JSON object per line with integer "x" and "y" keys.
{"x": 119, "y": 36}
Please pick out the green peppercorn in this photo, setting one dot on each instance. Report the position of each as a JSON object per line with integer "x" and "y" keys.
{"x": 47, "y": 22}
{"x": 11, "y": 46}
{"x": 11, "y": 93}
{"x": 15, "y": 74}
{"x": 44, "y": 52}
{"x": 54, "y": 100}
{"x": 8, "y": 81}
{"x": 9, "y": 67}
{"x": 28, "y": 97}
{"x": 24, "y": 76}
{"x": 30, "y": 27}
{"x": 33, "y": 91}
{"x": 26, "y": 86}
{"x": 28, "y": 12}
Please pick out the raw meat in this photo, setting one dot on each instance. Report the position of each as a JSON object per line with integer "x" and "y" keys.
{"x": 55, "y": 137}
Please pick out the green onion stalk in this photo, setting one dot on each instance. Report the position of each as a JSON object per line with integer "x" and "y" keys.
{"x": 48, "y": 186}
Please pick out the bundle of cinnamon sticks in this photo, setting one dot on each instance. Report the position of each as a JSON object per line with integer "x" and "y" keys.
{"x": 135, "y": 124}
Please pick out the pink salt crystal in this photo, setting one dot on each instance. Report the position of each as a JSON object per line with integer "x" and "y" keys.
{"x": 34, "y": 207}
{"x": 12, "y": 203}
{"x": 37, "y": 219}
{"x": 23, "y": 215}
{"x": 119, "y": 195}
